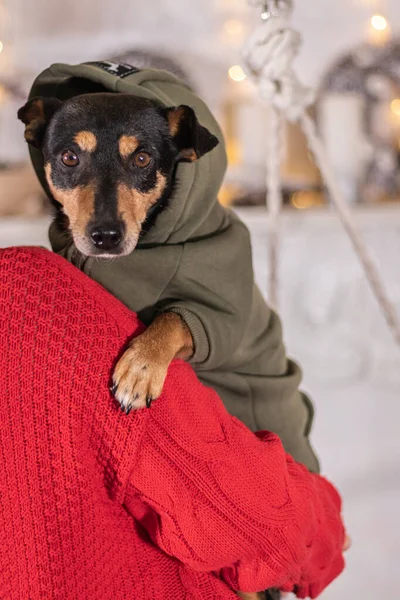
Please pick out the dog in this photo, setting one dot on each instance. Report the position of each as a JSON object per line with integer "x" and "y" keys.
{"x": 109, "y": 174}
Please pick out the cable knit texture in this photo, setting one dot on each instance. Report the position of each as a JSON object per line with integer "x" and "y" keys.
{"x": 179, "y": 501}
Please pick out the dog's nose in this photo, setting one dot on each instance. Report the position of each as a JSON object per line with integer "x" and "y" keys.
{"x": 106, "y": 238}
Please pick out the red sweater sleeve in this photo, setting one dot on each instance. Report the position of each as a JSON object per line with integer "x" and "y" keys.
{"x": 218, "y": 498}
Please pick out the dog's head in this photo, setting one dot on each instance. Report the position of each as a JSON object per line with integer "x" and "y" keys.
{"x": 109, "y": 160}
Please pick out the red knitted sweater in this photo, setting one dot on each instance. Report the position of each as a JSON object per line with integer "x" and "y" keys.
{"x": 179, "y": 501}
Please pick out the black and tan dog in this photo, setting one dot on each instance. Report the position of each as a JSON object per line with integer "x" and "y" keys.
{"x": 109, "y": 163}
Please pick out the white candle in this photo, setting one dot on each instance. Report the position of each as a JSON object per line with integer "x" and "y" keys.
{"x": 252, "y": 131}
{"x": 341, "y": 120}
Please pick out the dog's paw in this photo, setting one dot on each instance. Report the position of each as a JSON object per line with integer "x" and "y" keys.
{"x": 139, "y": 375}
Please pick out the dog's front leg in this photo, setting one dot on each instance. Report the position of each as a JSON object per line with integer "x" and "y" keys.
{"x": 139, "y": 375}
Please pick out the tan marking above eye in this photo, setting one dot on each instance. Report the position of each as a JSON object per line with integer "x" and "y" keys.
{"x": 86, "y": 141}
{"x": 127, "y": 145}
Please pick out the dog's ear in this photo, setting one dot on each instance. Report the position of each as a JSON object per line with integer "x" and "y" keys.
{"x": 192, "y": 139}
{"x": 36, "y": 115}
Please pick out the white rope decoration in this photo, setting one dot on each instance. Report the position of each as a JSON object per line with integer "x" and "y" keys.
{"x": 268, "y": 55}
{"x": 275, "y": 200}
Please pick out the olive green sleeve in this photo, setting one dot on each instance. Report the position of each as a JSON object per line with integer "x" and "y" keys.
{"x": 212, "y": 292}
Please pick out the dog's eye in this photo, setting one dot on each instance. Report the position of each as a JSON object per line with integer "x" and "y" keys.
{"x": 70, "y": 159}
{"x": 141, "y": 160}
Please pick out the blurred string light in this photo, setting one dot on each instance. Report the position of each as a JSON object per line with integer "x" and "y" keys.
{"x": 379, "y": 30}
{"x": 379, "y": 22}
{"x": 1, "y": 46}
{"x": 395, "y": 107}
{"x": 236, "y": 73}
{"x": 304, "y": 199}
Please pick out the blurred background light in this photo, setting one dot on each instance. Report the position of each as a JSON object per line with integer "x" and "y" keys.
{"x": 236, "y": 73}
{"x": 395, "y": 106}
{"x": 379, "y": 22}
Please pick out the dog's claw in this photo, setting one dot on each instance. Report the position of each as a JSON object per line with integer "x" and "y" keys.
{"x": 113, "y": 388}
{"x": 149, "y": 400}
{"x": 128, "y": 410}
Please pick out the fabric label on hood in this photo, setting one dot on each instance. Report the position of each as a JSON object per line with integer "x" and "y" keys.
{"x": 117, "y": 69}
